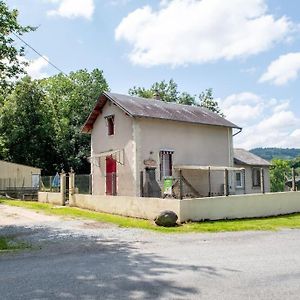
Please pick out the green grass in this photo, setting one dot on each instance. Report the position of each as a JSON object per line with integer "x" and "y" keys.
{"x": 271, "y": 223}
{"x": 7, "y": 244}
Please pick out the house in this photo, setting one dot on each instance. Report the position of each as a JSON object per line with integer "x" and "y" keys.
{"x": 249, "y": 180}
{"x": 150, "y": 147}
{"x": 14, "y": 175}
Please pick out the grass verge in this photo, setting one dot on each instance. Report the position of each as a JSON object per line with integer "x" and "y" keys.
{"x": 271, "y": 223}
{"x": 7, "y": 244}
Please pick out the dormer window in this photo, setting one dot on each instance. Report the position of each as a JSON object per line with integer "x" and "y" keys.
{"x": 110, "y": 120}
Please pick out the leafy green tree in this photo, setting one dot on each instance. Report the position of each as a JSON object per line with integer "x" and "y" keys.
{"x": 168, "y": 92}
{"x": 71, "y": 100}
{"x": 26, "y": 134}
{"x": 280, "y": 171}
{"x": 10, "y": 64}
{"x": 41, "y": 120}
{"x": 207, "y": 100}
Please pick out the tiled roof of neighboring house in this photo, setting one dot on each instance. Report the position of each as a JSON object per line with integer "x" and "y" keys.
{"x": 244, "y": 157}
{"x": 151, "y": 108}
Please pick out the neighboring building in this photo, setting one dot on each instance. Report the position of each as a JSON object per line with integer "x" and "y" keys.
{"x": 249, "y": 180}
{"x": 130, "y": 135}
{"x": 18, "y": 176}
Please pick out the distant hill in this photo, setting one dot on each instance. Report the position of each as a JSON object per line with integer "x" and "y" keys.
{"x": 270, "y": 153}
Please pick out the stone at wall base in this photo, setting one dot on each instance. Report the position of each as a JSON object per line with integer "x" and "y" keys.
{"x": 166, "y": 218}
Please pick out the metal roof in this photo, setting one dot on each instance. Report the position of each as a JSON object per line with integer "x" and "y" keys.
{"x": 152, "y": 108}
{"x": 244, "y": 157}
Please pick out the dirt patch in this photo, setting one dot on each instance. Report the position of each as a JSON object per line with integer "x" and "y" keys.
{"x": 96, "y": 225}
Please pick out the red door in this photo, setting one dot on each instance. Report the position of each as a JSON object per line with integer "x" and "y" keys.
{"x": 111, "y": 176}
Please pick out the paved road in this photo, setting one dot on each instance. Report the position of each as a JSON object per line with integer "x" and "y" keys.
{"x": 75, "y": 259}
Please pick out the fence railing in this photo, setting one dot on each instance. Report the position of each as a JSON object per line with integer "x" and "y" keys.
{"x": 50, "y": 183}
{"x": 83, "y": 184}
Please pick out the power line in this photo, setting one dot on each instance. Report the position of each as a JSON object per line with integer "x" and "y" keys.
{"x": 38, "y": 53}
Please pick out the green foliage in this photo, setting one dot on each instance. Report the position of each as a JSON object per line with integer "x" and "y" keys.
{"x": 168, "y": 92}
{"x": 40, "y": 121}
{"x": 280, "y": 171}
{"x": 26, "y": 134}
{"x": 282, "y": 153}
{"x": 207, "y": 100}
{"x": 10, "y": 64}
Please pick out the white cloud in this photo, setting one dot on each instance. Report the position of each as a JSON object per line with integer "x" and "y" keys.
{"x": 283, "y": 69}
{"x": 73, "y": 9}
{"x": 192, "y": 31}
{"x": 35, "y": 68}
{"x": 265, "y": 122}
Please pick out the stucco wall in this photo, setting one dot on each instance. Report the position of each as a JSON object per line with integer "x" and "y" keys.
{"x": 214, "y": 208}
{"x": 16, "y": 175}
{"x": 240, "y": 206}
{"x": 248, "y": 180}
{"x": 121, "y": 140}
{"x": 145, "y": 208}
{"x": 192, "y": 144}
{"x": 52, "y": 198}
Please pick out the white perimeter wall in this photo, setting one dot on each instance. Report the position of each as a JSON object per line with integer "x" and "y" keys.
{"x": 145, "y": 208}
{"x": 240, "y": 206}
{"x": 214, "y": 208}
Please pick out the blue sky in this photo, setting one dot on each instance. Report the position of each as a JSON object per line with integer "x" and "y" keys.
{"x": 248, "y": 51}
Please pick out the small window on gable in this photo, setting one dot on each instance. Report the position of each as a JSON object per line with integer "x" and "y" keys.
{"x": 256, "y": 177}
{"x": 110, "y": 120}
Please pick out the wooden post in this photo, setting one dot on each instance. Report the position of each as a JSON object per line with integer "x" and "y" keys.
{"x": 293, "y": 180}
{"x": 142, "y": 183}
{"x": 262, "y": 180}
{"x": 209, "y": 182}
{"x": 226, "y": 190}
{"x": 180, "y": 185}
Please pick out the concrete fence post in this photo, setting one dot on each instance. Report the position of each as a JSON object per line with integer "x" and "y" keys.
{"x": 71, "y": 187}
{"x": 63, "y": 187}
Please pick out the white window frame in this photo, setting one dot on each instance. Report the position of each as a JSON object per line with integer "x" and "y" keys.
{"x": 256, "y": 172}
{"x": 242, "y": 180}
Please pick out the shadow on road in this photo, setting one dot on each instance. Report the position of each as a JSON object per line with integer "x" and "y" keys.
{"x": 65, "y": 265}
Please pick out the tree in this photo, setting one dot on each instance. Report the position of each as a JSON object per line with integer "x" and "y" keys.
{"x": 26, "y": 134}
{"x": 280, "y": 171}
{"x": 72, "y": 98}
{"x": 207, "y": 100}
{"x": 168, "y": 92}
{"x": 10, "y": 63}
{"x": 41, "y": 120}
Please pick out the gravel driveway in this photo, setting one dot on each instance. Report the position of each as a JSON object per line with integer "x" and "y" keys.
{"x": 78, "y": 259}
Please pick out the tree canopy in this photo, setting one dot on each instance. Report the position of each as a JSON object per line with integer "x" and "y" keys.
{"x": 168, "y": 92}
{"x": 11, "y": 64}
{"x": 40, "y": 121}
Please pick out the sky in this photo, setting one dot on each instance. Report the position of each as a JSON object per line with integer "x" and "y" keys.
{"x": 247, "y": 51}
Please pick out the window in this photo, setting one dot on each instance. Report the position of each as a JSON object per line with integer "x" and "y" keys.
{"x": 165, "y": 164}
{"x": 110, "y": 125}
{"x": 256, "y": 177}
{"x": 239, "y": 180}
